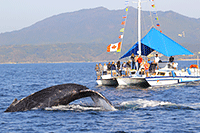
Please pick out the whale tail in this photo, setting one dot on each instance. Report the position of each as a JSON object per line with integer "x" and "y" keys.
{"x": 58, "y": 95}
{"x": 101, "y": 100}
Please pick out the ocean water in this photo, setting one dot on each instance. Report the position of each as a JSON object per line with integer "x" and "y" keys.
{"x": 160, "y": 109}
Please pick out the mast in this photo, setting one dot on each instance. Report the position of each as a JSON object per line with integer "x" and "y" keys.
{"x": 139, "y": 27}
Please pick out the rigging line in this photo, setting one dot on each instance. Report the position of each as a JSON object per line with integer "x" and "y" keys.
{"x": 164, "y": 43}
{"x": 145, "y": 28}
{"x": 134, "y": 38}
{"x": 151, "y": 18}
{"x": 156, "y": 15}
{"x": 152, "y": 25}
{"x": 158, "y": 22}
{"x": 124, "y": 30}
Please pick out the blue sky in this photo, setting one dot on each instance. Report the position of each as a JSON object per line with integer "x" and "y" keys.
{"x": 17, "y": 14}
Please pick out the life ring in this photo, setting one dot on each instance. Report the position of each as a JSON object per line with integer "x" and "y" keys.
{"x": 193, "y": 66}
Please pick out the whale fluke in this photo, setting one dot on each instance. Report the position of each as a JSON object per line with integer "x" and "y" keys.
{"x": 58, "y": 95}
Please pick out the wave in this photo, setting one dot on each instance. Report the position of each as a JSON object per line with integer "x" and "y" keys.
{"x": 137, "y": 104}
{"x": 143, "y": 103}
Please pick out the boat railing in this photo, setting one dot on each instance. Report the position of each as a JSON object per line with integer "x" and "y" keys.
{"x": 168, "y": 65}
{"x": 139, "y": 73}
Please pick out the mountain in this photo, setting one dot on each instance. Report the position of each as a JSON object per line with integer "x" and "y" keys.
{"x": 91, "y": 30}
{"x": 100, "y": 25}
{"x": 84, "y": 26}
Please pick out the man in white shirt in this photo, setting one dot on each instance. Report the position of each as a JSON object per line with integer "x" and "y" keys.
{"x": 157, "y": 58}
{"x": 174, "y": 65}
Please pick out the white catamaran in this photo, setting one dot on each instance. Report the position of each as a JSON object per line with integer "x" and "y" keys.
{"x": 154, "y": 40}
{"x": 157, "y": 41}
{"x": 134, "y": 79}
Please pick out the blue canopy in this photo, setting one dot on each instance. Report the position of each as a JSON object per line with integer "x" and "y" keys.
{"x": 155, "y": 40}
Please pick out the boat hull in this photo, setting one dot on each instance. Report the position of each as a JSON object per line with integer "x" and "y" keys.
{"x": 162, "y": 81}
{"x": 107, "y": 82}
{"x": 133, "y": 81}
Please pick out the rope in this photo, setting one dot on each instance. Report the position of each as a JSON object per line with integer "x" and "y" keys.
{"x": 126, "y": 16}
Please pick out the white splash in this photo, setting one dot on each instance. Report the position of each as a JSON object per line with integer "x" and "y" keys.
{"x": 73, "y": 107}
{"x": 101, "y": 105}
{"x": 142, "y": 103}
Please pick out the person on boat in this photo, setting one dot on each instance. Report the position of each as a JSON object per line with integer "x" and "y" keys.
{"x": 97, "y": 71}
{"x": 113, "y": 68}
{"x": 117, "y": 70}
{"x": 139, "y": 61}
{"x": 100, "y": 68}
{"x": 150, "y": 64}
{"x": 118, "y": 65}
{"x": 124, "y": 65}
{"x": 174, "y": 65}
{"x": 123, "y": 69}
{"x": 157, "y": 59}
{"x": 96, "y": 67}
{"x": 104, "y": 69}
{"x": 149, "y": 61}
{"x": 136, "y": 62}
{"x": 133, "y": 61}
{"x": 108, "y": 68}
{"x": 128, "y": 67}
{"x": 128, "y": 64}
{"x": 171, "y": 59}
{"x": 142, "y": 72}
{"x": 153, "y": 67}
{"x": 142, "y": 64}
{"x": 146, "y": 68}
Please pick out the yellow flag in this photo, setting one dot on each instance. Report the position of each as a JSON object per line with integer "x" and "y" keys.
{"x": 122, "y": 30}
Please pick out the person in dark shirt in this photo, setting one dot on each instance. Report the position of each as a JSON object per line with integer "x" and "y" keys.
{"x": 118, "y": 65}
{"x": 171, "y": 59}
{"x": 108, "y": 66}
{"x": 113, "y": 67}
{"x": 128, "y": 64}
{"x": 133, "y": 61}
{"x": 153, "y": 67}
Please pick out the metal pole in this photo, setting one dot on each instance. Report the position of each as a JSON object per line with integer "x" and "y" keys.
{"x": 139, "y": 27}
{"x": 198, "y": 64}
